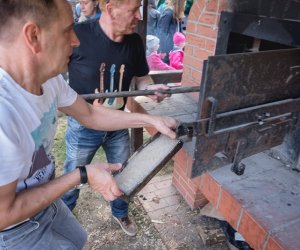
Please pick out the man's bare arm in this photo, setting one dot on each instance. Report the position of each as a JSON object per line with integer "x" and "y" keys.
{"x": 17, "y": 207}
{"x": 102, "y": 118}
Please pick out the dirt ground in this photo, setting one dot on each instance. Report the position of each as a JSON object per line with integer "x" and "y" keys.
{"x": 94, "y": 214}
{"x": 104, "y": 233}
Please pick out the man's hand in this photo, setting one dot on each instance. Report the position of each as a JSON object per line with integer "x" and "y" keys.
{"x": 165, "y": 125}
{"x": 101, "y": 180}
{"x": 157, "y": 97}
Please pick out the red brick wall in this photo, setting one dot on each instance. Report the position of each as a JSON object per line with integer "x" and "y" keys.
{"x": 201, "y": 36}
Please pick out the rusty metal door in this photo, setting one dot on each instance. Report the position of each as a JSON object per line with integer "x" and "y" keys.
{"x": 251, "y": 101}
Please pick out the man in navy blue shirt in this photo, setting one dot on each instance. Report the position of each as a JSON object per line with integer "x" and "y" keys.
{"x": 109, "y": 57}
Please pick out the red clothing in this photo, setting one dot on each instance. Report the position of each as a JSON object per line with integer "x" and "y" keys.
{"x": 176, "y": 58}
{"x": 156, "y": 63}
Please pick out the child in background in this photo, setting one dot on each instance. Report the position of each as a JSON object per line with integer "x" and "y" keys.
{"x": 154, "y": 59}
{"x": 176, "y": 54}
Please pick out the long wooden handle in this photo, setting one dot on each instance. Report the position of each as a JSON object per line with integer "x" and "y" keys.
{"x": 170, "y": 91}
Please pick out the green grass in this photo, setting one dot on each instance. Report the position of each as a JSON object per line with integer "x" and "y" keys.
{"x": 59, "y": 146}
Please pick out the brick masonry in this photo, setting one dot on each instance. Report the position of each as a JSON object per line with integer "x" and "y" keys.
{"x": 263, "y": 204}
{"x": 201, "y": 34}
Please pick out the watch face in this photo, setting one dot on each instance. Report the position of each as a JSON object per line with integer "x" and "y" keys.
{"x": 83, "y": 174}
{"x": 81, "y": 186}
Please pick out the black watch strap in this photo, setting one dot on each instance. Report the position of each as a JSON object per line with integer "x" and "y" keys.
{"x": 83, "y": 174}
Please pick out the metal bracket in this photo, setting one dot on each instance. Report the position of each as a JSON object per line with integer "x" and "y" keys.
{"x": 294, "y": 76}
{"x": 186, "y": 130}
{"x": 237, "y": 167}
{"x": 213, "y": 114}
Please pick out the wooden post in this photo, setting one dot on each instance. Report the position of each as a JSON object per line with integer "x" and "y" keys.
{"x": 142, "y": 25}
{"x": 136, "y": 138}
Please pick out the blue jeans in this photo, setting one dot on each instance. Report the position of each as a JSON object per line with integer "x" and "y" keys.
{"x": 82, "y": 144}
{"x": 53, "y": 228}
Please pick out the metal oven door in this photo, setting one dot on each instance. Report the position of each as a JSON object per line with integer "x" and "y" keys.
{"x": 249, "y": 102}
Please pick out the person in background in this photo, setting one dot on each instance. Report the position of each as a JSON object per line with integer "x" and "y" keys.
{"x": 109, "y": 57}
{"x": 77, "y": 11}
{"x": 87, "y": 10}
{"x": 161, "y": 5}
{"x": 187, "y": 9}
{"x": 188, "y": 6}
{"x": 159, "y": 2}
{"x": 36, "y": 40}
{"x": 152, "y": 18}
{"x": 154, "y": 59}
{"x": 169, "y": 22}
{"x": 176, "y": 55}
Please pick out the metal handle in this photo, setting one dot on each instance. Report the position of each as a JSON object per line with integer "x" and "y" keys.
{"x": 170, "y": 91}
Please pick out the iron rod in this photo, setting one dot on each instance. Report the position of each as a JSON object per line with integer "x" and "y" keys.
{"x": 170, "y": 91}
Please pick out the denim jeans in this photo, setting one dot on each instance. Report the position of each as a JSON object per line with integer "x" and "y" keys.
{"x": 82, "y": 144}
{"x": 53, "y": 228}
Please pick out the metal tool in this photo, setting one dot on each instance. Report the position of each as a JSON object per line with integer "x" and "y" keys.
{"x": 150, "y": 158}
{"x": 170, "y": 91}
{"x": 260, "y": 115}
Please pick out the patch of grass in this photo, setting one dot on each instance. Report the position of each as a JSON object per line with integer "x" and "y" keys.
{"x": 59, "y": 145}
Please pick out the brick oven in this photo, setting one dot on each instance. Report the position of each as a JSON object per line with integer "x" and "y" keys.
{"x": 263, "y": 203}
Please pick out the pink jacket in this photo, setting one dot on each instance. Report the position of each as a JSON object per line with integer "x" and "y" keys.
{"x": 176, "y": 58}
{"x": 156, "y": 63}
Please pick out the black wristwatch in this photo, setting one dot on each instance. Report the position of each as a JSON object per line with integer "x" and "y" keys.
{"x": 83, "y": 177}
